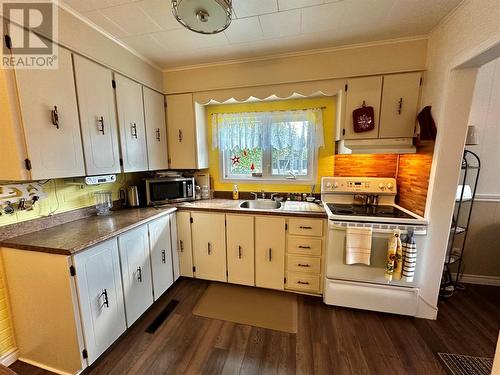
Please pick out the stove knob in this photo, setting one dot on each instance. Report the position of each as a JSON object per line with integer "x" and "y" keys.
{"x": 335, "y": 185}
{"x": 389, "y": 186}
{"x": 328, "y": 185}
{"x": 381, "y": 186}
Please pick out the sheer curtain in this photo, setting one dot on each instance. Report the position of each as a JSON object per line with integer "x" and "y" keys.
{"x": 279, "y": 129}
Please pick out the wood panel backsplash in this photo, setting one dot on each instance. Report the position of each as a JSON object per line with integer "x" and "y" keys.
{"x": 413, "y": 180}
{"x": 383, "y": 165}
{"x": 412, "y": 172}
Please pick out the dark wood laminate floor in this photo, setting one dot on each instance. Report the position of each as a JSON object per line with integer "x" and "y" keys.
{"x": 329, "y": 340}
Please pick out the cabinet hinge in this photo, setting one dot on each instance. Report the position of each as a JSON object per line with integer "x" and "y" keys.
{"x": 285, "y": 280}
{"x": 343, "y": 131}
{"x": 8, "y": 41}
{"x": 227, "y": 273}
{"x": 85, "y": 355}
{"x": 346, "y": 87}
{"x": 286, "y": 226}
{"x": 191, "y": 220}
{"x": 72, "y": 270}
{"x": 113, "y": 83}
{"x": 194, "y": 269}
{"x": 27, "y": 163}
{"x": 421, "y": 80}
{"x": 121, "y": 162}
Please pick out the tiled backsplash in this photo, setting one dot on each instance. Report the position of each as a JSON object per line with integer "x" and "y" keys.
{"x": 412, "y": 175}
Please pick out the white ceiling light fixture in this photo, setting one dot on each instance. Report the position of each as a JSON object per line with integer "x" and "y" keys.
{"x": 203, "y": 16}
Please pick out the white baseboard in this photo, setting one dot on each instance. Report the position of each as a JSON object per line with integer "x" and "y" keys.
{"x": 10, "y": 357}
{"x": 480, "y": 279}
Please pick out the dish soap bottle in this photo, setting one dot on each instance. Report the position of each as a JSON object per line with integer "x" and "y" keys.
{"x": 236, "y": 194}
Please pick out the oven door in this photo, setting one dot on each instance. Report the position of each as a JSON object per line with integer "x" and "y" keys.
{"x": 168, "y": 191}
{"x": 336, "y": 267}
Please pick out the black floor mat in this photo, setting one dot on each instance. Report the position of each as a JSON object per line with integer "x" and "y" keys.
{"x": 162, "y": 316}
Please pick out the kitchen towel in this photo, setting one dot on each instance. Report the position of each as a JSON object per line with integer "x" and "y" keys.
{"x": 409, "y": 258}
{"x": 358, "y": 245}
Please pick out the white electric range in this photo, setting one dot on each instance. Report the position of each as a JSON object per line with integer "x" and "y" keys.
{"x": 368, "y": 202}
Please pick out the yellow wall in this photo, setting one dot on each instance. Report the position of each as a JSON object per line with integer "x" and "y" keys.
{"x": 325, "y": 155}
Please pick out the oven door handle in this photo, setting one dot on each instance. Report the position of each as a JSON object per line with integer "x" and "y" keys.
{"x": 380, "y": 230}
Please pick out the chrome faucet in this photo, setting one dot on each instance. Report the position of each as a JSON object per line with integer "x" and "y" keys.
{"x": 263, "y": 194}
{"x": 255, "y": 195}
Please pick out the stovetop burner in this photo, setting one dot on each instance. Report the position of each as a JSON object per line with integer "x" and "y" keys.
{"x": 372, "y": 211}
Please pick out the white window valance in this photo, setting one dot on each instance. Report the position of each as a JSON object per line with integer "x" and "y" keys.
{"x": 298, "y": 129}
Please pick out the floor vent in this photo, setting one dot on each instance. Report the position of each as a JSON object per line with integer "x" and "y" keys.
{"x": 458, "y": 364}
{"x": 162, "y": 316}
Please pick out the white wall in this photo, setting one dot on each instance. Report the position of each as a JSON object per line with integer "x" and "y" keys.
{"x": 472, "y": 29}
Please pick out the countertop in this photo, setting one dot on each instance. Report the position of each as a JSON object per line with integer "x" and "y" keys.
{"x": 288, "y": 208}
{"x": 75, "y": 236}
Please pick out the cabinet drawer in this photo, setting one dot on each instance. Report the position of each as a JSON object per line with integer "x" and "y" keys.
{"x": 306, "y": 227}
{"x": 297, "y": 263}
{"x": 304, "y": 246}
{"x": 303, "y": 282}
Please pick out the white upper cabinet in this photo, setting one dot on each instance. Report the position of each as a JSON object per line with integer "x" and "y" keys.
{"x": 187, "y": 137}
{"x": 398, "y": 113}
{"x": 365, "y": 90}
{"x": 156, "y": 129}
{"x": 131, "y": 123}
{"x": 96, "y": 104}
{"x": 50, "y": 119}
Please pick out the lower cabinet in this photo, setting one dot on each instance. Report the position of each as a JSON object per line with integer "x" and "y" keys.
{"x": 160, "y": 246}
{"x": 184, "y": 248}
{"x": 270, "y": 252}
{"x": 101, "y": 296}
{"x": 240, "y": 249}
{"x": 209, "y": 246}
{"x": 136, "y": 272}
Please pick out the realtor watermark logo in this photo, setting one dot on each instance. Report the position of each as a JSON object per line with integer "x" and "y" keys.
{"x": 31, "y": 28}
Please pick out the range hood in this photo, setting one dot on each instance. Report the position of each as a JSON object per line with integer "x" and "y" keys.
{"x": 376, "y": 146}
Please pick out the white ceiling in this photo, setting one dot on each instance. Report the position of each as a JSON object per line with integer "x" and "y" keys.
{"x": 260, "y": 27}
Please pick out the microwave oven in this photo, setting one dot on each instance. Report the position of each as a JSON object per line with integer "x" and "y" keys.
{"x": 155, "y": 191}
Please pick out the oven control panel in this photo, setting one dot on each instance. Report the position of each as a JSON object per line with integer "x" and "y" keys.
{"x": 359, "y": 185}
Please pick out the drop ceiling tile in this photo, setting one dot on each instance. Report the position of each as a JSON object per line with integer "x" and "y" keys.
{"x": 86, "y": 5}
{"x": 161, "y": 12}
{"x": 322, "y": 17}
{"x": 244, "y": 30}
{"x": 184, "y": 39}
{"x": 281, "y": 24}
{"x": 147, "y": 46}
{"x": 104, "y": 23}
{"x": 295, "y": 4}
{"x": 131, "y": 18}
{"x": 249, "y": 8}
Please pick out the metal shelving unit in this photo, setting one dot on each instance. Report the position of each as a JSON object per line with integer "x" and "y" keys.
{"x": 450, "y": 282}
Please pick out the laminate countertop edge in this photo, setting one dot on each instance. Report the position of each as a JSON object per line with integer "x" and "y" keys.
{"x": 17, "y": 244}
{"x": 243, "y": 211}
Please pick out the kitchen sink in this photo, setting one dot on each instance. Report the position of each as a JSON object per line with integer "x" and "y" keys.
{"x": 261, "y": 204}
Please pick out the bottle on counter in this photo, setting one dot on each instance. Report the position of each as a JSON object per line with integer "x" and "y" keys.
{"x": 236, "y": 193}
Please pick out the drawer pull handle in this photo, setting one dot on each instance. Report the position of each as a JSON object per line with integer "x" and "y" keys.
{"x": 133, "y": 130}
{"x": 158, "y": 134}
{"x": 100, "y": 125}
{"x": 180, "y": 135}
{"x": 239, "y": 252}
{"x": 54, "y": 116}
{"x": 163, "y": 256}
{"x": 139, "y": 274}
{"x": 303, "y": 282}
{"x": 104, "y": 294}
{"x": 303, "y": 265}
{"x": 270, "y": 254}
{"x": 304, "y": 247}
{"x": 209, "y": 248}
{"x": 181, "y": 243}
{"x": 305, "y": 227}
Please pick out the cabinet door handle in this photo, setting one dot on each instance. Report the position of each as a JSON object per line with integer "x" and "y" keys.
{"x": 54, "y": 117}
{"x": 163, "y": 256}
{"x": 100, "y": 125}
{"x": 303, "y": 265}
{"x": 209, "y": 248}
{"x": 303, "y": 282}
{"x": 133, "y": 130}
{"x": 105, "y": 302}
{"x": 239, "y": 252}
{"x": 139, "y": 274}
{"x": 180, "y": 135}
{"x": 400, "y": 106}
{"x": 158, "y": 135}
{"x": 270, "y": 254}
{"x": 304, "y": 247}
{"x": 181, "y": 245}
{"x": 305, "y": 227}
